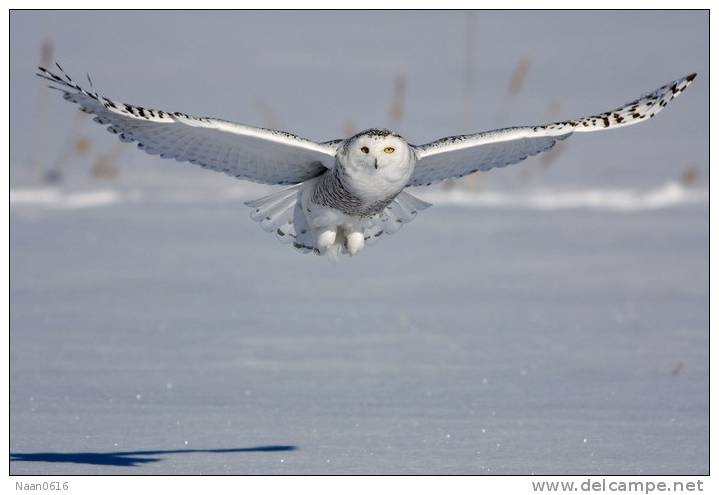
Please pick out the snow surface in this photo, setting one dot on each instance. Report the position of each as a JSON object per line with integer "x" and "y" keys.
{"x": 554, "y": 321}
{"x": 152, "y": 337}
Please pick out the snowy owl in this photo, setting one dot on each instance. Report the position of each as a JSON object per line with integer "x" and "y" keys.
{"x": 345, "y": 193}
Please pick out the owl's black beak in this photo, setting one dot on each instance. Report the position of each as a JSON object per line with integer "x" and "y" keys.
{"x": 375, "y": 164}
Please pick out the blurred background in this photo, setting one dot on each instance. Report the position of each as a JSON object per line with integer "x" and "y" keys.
{"x": 325, "y": 75}
{"x": 549, "y": 317}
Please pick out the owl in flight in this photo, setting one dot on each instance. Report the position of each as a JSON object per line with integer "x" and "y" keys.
{"x": 344, "y": 193}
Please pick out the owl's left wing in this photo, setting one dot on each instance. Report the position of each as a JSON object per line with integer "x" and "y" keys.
{"x": 457, "y": 156}
{"x": 252, "y": 153}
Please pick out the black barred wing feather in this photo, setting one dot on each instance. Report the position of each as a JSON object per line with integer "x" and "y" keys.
{"x": 458, "y": 156}
{"x": 256, "y": 154}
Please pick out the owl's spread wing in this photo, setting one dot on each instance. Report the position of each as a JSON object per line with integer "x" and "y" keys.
{"x": 255, "y": 154}
{"x": 457, "y": 156}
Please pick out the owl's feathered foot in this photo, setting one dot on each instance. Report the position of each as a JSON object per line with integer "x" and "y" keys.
{"x": 331, "y": 241}
{"x": 354, "y": 242}
{"x": 326, "y": 239}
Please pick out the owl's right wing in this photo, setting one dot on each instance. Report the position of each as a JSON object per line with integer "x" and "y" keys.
{"x": 255, "y": 154}
{"x": 457, "y": 156}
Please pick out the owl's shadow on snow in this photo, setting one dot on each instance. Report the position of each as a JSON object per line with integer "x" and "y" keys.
{"x": 132, "y": 458}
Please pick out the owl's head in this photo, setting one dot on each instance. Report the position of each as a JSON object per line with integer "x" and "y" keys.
{"x": 379, "y": 151}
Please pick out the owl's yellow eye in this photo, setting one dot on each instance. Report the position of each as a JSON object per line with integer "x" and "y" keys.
{"x": 389, "y": 149}
{"x": 364, "y": 149}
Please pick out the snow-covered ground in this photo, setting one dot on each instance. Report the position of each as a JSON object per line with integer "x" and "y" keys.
{"x": 553, "y": 319}
{"x": 177, "y": 337}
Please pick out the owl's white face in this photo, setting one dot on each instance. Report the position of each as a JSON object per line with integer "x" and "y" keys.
{"x": 380, "y": 155}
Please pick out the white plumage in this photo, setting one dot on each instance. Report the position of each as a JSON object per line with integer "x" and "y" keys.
{"x": 346, "y": 193}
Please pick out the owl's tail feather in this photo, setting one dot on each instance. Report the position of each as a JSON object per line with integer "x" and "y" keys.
{"x": 281, "y": 213}
{"x": 401, "y": 211}
{"x": 274, "y": 210}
